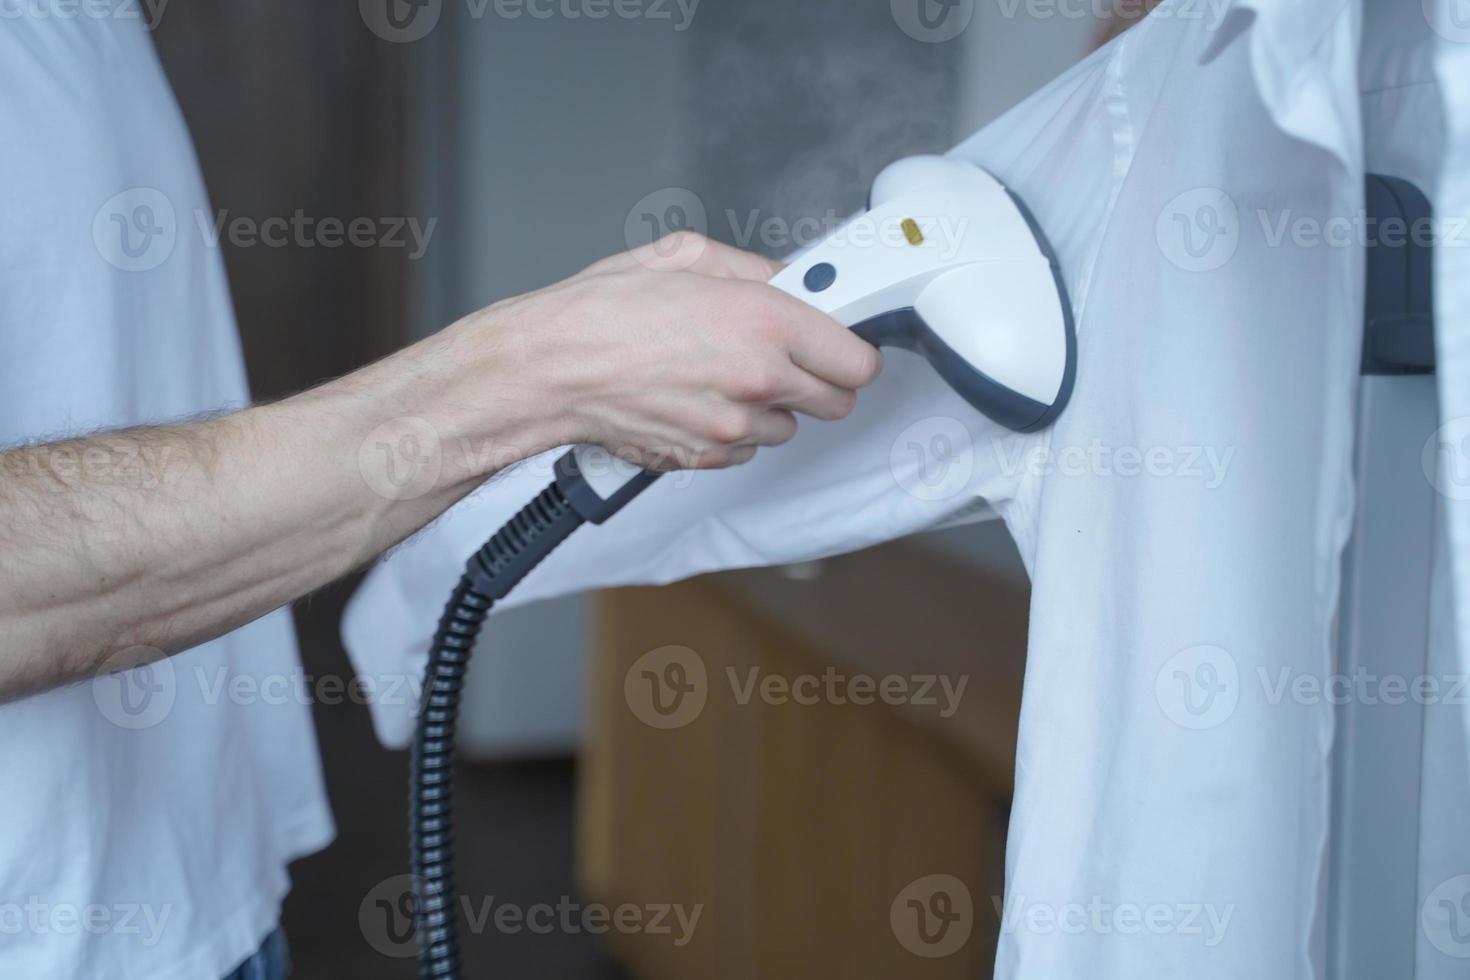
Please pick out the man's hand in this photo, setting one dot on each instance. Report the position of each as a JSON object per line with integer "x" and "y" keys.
{"x": 678, "y": 355}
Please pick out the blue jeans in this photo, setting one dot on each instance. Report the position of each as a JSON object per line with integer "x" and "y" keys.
{"x": 272, "y": 962}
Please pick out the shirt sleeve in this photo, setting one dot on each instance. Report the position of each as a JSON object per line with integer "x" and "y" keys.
{"x": 912, "y": 456}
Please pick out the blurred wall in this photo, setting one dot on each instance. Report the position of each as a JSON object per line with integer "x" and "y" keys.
{"x": 297, "y": 106}
{"x": 793, "y": 108}
{"x": 1012, "y": 49}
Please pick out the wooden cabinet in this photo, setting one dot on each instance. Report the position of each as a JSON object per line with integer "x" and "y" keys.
{"x": 806, "y": 826}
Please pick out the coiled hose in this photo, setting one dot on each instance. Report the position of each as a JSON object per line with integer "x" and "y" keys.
{"x": 489, "y": 576}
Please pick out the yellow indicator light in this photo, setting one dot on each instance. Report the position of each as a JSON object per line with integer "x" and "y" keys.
{"x": 911, "y": 231}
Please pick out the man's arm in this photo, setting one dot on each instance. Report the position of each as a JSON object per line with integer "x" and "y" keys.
{"x": 166, "y": 537}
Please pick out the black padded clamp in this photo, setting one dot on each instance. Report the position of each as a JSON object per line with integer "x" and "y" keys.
{"x": 1398, "y": 318}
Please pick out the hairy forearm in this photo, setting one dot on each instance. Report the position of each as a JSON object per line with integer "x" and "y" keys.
{"x": 155, "y": 540}
{"x": 163, "y": 538}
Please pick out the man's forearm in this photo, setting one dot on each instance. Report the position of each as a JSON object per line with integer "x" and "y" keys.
{"x": 166, "y": 537}
{"x": 163, "y": 538}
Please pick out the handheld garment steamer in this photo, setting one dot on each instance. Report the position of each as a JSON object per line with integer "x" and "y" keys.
{"x": 947, "y": 263}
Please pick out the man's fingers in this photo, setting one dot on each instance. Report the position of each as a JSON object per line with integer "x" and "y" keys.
{"x": 774, "y": 427}
{"x": 821, "y": 346}
{"x": 820, "y": 399}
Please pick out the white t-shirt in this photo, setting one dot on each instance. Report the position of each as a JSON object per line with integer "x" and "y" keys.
{"x": 146, "y": 818}
{"x": 1183, "y": 522}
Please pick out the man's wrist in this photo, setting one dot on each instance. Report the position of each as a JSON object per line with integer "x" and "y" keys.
{"x": 460, "y": 406}
{"x": 496, "y": 403}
